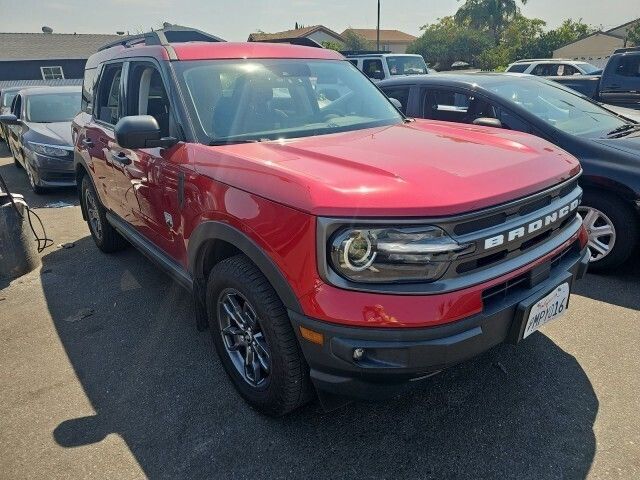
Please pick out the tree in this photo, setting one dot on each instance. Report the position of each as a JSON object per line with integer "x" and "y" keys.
{"x": 446, "y": 42}
{"x": 354, "y": 41}
{"x": 492, "y": 16}
{"x": 568, "y": 32}
{"x": 633, "y": 34}
{"x": 337, "y": 46}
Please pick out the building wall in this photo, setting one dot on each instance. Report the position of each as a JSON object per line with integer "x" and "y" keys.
{"x": 323, "y": 37}
{"x": 595, "y": 49}
{"x": 30, "y": 69}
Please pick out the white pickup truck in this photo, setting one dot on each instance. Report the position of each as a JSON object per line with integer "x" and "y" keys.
{"x": 380, "y": 66}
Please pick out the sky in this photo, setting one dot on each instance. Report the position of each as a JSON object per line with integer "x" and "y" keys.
{"x": 233, "y": 20}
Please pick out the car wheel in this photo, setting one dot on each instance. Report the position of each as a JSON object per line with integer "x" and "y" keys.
{"x": 254, "y": 338}
{"x": 104, "y": 235}
{"x": 37, "y": 189}
{"x": 613, "y": 230}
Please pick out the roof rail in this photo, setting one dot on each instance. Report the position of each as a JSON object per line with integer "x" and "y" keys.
{"x": 627, "y": 50}
{"x": 355, "y": 53}
{"x": 165, "y": 36}
{"x": 545, "y": 60}
{"x": 301, "y": 41}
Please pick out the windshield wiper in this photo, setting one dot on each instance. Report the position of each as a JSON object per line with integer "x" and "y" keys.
{"x": 622, "y": 128}
{"x": 231, "y": 141}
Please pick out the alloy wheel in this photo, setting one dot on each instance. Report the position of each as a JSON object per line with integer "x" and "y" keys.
{"x": 243, "y": 338}
{"x": 602, "y": 232}
{"x": 93, "y": 214}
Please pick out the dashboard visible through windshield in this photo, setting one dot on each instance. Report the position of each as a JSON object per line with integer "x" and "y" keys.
{"x": 267, "y": 99}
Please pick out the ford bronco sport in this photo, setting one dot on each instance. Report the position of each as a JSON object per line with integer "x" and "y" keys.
{"x": 327, "y": 240}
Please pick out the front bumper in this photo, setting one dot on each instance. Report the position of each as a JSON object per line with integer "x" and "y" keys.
{"x": 52, "y": 171}
{"x": 394, "y": 357}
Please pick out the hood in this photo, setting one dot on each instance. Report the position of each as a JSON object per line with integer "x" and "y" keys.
{"x": 56, "y": 133}
{"x": 423, "y": 168}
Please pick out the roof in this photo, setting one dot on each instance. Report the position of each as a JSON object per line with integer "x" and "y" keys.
{"x": 51, "y": 46}
{"x": 385, "y": 35}
{"x": 624, "y": 25}
{"x": 295, "y": 33}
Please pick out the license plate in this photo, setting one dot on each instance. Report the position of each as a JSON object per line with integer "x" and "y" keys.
{"x": 549, "y": 308}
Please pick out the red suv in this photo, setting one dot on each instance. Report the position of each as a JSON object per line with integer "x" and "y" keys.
{"x": 327, "y": 240}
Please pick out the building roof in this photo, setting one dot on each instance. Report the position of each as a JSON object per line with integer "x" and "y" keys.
{"x": 51, "y": 46}
{"x": 624, "y": 25}
{"x": 295, "y": 33}
{"x": 389, "y": 36}
{"x": 39, "y": 83}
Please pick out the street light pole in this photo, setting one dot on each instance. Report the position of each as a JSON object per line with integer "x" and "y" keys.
{"x": 378, "y": 29}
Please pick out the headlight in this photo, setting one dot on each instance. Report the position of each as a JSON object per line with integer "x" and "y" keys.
{"x": 48, "y": 150}
{"x": 393, "y": 254}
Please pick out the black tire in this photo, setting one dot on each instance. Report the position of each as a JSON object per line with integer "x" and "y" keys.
{"x": 37, "y": 189}
{"x": 106, "y": 237}
{"x": 625, "y": 222}
{"x": 288, "y": 386}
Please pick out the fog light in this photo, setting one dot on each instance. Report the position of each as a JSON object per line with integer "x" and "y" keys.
{"x": 358, "y": 354}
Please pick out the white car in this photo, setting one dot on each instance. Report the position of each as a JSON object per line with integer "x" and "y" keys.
{"x": 553, "y": 67}
{"x": 380, "y": 66}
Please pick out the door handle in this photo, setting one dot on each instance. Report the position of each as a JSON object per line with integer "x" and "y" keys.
{"x": 120, "y": 157}
{"x": 87, "y": 142}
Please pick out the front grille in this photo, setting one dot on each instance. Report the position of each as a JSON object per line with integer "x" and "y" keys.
{"x": 58, "y": 176}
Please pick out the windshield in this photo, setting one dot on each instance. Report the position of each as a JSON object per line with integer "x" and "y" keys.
{"x": 52, "y": 107}
{"x": 8, "y": 98}
{"x": 260, "y": 99}
{"x": 406, "y": 65}
{"x": 558, "y": 107}
{"x": 588, "y": 68}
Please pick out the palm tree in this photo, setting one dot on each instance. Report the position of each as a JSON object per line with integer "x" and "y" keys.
{"x": 490, "y": 15}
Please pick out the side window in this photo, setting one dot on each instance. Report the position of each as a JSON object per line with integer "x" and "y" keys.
{"x": 88, "y": 85}
{"x": 147, "y": 95}
{"x": 547, "y": 70}
{"x": 108, "y": 105}
{"x": 568, "y": 70}
{"x": 629, "y": 66}
{"x": 16, "y": 106}
{"x": 518, "y": 68}
{"x": 513, "y": 122}
{"x": 399, "y": 93}
{"x": 373, "y": 68}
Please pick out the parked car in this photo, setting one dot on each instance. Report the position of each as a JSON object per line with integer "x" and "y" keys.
{"x": 378, "y": 66}
{"x": 39, "y": 134}
{"x": 618, "y": 84}
{"x": 6, "y": 98}
{"x": 552, "y": 67}
{"x": 607, "y": 144}
{"x": 322, "y": 245}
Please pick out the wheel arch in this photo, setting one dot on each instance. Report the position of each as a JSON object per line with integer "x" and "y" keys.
{"x": 213, "y": 241}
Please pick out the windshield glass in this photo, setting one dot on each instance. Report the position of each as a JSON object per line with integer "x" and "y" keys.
{"x": 52, "y": 107}
{"x": 7, "y": 98}
{"x": 558, "y": 107}
{"x": 260, "y": 99}
{"x": 406, "y": 65}
{"x": 588, "y": 68}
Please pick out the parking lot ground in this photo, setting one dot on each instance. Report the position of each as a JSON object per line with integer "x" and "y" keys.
{"x": 103, "y": 374}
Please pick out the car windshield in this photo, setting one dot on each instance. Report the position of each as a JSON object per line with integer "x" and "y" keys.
{"x": 52, "y": 107}
{"x": 558, "y": 107}
{"x": 588, "y": 68}
{"x": 7, "y": 98}
{"x": 406, "y": 65}
{"x": 266, "y": 99}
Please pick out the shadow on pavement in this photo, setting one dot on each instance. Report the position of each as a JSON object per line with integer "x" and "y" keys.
{"x": 525, "y": 412}
{"x": 619, "y": 287}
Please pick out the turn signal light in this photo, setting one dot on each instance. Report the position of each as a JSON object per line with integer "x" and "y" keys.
{"x": 312, "y": 336}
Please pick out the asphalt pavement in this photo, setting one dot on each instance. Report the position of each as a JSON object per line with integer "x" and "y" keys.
{"x": 103, "y": 374}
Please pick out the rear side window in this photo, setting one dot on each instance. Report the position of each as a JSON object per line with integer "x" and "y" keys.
{"x": 399, "y": 93}
{"x": 88, "y": 85}
{"x": 16, "y": 106}
{"x": 518, "y": 68}
{"x": 373, "y": 68}
{"x": 108, "y": 106}
{"x": 629, "y": 66}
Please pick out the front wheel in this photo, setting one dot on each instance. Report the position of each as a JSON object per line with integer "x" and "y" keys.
{"x": 254, "y": 338}
{"x": 104, "y": 235}
{"x": 37, "y": 189}
{"x": 613, "y": 230}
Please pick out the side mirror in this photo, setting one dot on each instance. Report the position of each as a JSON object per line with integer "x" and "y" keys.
{"x": 10, "y": 119}
{"x": 141, "y": 131}
{"x": 488, "y": 122}
{"x": 396, "y": 103}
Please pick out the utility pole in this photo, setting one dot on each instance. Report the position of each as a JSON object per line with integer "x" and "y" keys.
{"x": 378, "y": 29}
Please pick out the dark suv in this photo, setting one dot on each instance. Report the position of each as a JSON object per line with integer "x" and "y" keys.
{"x": 327, "y": 240}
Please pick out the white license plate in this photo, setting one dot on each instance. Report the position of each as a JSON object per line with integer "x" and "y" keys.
{"x": 549, "y": 308}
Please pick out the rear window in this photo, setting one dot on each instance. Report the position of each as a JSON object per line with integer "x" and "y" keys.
{"x": 518, "y": 68}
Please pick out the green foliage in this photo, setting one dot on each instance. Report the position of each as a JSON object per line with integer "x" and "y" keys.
{"x": 354, "y": 41}
{"x": 633, "y": 34}
{"x": 446, "y": 42}
{"x": 337, "y": 46}
{"x": 492, "y": 16}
